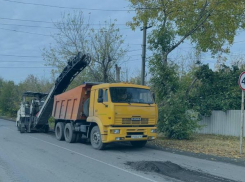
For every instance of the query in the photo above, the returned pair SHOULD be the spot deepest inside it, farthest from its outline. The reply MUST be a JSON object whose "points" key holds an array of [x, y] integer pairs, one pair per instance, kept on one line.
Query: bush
{"points": [[176, 121]]}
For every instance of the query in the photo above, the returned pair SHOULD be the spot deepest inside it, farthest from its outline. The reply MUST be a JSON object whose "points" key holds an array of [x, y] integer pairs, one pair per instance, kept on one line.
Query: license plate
{"points": [[135, 119], [136, 136]]}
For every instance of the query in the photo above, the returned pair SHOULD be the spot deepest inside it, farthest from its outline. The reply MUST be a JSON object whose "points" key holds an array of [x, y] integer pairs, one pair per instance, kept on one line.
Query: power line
{"points": [[135, 44], [36, 21], [238, 41], [35, 33], [135, 50], [11, 55], [24, 32], [27, 26], [134, 55], [129, 61], [40, 21], [25, 56], [26, 67], [20, 61], [63, 7], [33, 26]]}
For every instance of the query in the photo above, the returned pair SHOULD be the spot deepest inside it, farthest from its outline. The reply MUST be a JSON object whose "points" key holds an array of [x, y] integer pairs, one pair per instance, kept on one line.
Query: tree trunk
{"points": [[165, 58], [105, 77]]}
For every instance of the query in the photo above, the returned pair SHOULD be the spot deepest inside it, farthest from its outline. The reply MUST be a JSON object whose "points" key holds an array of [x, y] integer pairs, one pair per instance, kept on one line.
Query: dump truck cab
{"points": [[123, 112]]}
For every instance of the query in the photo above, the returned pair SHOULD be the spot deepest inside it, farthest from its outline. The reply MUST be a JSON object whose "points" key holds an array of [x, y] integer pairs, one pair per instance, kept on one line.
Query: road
{"points": [[40, 157]]}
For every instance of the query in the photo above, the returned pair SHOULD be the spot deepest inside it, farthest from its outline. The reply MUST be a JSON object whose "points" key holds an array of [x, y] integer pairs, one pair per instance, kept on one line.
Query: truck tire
{"points": [[138, 144], [22, 129], [78, 137], [18, 126], [46, 129], [59, 131], [70, 135], [95, 138]]}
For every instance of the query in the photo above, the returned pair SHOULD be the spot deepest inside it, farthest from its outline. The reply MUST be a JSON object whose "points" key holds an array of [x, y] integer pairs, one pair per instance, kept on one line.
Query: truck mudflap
{"points": [[129, 134]]}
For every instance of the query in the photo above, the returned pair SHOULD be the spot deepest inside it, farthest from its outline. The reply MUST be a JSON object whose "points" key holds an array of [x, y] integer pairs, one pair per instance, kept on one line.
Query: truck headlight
{"points": [[115, 131], [153, 130]]}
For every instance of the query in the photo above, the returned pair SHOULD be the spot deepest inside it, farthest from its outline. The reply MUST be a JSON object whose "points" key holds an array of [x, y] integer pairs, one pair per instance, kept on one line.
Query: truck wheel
{"points": [[46, 129], [22, 129], [59, 131], [18, 126], [78, 137], [138, 144], [95, 138], [70, 135]]}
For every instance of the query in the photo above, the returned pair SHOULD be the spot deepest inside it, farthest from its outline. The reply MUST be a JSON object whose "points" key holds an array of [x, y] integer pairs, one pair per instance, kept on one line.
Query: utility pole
{"points": [[242, 122], [241, 82], [143, 53], [117, 73]]}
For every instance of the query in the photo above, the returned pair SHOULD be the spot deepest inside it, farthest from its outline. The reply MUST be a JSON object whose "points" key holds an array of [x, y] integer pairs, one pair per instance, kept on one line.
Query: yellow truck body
{"points": [[111, 116], [121, 111]]}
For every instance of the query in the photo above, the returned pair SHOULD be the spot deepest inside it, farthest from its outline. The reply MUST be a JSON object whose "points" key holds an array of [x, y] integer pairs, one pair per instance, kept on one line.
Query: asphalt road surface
{"points": [[39, 157]]}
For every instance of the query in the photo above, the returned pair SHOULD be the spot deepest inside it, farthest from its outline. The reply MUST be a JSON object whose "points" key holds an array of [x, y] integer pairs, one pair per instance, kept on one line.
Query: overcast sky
{"points": [[22, 41]]}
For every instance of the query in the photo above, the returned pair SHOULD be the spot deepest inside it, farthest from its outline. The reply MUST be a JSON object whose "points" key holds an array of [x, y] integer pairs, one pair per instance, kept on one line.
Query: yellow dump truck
{"points": [[105, 113]]}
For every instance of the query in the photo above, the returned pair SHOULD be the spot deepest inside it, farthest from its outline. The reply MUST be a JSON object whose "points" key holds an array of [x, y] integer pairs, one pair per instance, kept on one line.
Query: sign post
{"points": [[241, 83]]}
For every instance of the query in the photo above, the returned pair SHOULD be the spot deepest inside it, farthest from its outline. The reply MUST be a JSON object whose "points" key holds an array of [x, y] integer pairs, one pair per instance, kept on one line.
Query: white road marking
{"points": [[113, 166]]}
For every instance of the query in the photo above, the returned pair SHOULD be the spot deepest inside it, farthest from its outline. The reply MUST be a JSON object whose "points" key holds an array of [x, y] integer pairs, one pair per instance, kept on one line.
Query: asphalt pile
{"points": [[175, 171]]}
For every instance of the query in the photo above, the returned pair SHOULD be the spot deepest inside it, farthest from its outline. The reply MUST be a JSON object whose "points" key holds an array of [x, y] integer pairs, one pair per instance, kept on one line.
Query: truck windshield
{"points": [[130, 95]]}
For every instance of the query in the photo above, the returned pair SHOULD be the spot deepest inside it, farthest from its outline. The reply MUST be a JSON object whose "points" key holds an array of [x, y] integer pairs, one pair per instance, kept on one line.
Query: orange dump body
{"points": [[69, 105]]}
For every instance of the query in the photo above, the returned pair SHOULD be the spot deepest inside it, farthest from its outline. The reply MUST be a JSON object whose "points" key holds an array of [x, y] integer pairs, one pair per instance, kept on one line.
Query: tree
{"points": [[71, 38], [75, 35], [209, 24], [176, 117], [106, 50], [217, 90], [136, 78], [35, 84], [8, 98]]}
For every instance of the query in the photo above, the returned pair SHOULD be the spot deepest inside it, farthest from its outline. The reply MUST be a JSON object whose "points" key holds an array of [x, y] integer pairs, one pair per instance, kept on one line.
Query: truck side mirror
{"points": [[100, 96]]}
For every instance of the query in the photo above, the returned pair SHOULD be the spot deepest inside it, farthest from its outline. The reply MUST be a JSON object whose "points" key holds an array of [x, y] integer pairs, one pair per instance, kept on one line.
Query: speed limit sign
{"points": [[242, 81]]}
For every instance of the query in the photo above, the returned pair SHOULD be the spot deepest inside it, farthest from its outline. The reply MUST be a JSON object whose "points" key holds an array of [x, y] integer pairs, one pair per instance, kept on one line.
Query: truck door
{"points": [[102, 109]]}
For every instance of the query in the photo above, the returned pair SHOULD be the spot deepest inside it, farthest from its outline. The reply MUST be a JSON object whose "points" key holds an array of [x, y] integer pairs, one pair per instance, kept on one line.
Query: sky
{"points": [[25, 30]]}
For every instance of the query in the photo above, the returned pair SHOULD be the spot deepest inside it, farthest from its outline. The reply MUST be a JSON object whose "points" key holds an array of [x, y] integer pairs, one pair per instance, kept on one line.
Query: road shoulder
{"points": [[234, 161]]}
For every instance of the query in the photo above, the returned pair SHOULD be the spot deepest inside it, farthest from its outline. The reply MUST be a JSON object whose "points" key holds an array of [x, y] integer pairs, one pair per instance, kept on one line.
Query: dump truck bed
{"points": [[69, 105]]}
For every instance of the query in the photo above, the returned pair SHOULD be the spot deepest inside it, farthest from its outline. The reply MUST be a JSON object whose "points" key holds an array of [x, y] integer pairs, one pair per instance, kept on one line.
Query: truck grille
{"points": [[135, 133], [128, 121]]}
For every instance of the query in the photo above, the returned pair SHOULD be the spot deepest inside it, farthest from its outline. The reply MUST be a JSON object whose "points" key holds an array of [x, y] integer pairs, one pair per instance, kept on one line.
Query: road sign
{"points": [[241, 81]]}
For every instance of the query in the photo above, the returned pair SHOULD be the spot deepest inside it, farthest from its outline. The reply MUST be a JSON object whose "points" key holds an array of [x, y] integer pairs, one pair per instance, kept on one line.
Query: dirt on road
{"points": [[175, 171]]}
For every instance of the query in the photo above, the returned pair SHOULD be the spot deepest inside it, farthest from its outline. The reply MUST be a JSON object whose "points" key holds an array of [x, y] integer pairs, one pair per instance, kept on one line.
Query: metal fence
{"points": [[222, 123]]}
